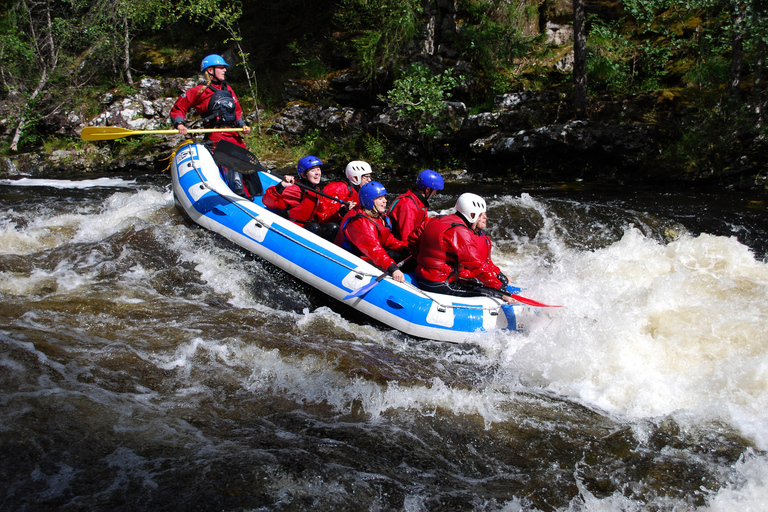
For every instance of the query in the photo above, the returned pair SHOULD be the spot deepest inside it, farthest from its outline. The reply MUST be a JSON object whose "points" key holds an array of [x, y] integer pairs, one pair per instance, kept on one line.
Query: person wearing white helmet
{"points": [[453, 255], [218, 106], [357, 174], [410, 209]]}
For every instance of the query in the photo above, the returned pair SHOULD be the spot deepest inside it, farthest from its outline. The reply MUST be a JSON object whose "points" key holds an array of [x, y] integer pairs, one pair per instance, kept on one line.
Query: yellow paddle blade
{"points": [[114, 132], [106, 133]]}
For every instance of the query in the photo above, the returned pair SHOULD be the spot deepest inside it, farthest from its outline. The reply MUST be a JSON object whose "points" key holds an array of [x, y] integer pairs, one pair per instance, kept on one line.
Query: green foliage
{"points": [[311, 65], [311, 137], [421, 96], [386, 28], [491, 36], [375, 148], [609, 54]]}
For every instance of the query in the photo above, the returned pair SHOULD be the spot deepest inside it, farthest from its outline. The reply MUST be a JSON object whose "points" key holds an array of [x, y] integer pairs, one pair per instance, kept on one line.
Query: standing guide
{"points": [[218, 106]]}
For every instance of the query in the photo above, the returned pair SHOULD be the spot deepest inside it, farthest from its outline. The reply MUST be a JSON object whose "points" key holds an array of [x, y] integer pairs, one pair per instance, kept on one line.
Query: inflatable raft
{"points": [[202, 195]]}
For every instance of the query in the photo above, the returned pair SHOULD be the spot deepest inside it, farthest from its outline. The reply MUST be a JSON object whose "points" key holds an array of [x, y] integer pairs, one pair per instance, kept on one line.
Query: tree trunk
{"points": [[757, 89], [23, 117], [579, 60], [127, 50], [737, 54]]}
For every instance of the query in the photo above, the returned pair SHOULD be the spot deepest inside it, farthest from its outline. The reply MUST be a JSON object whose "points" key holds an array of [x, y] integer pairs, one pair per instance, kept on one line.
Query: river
{"points": [[148, 364]]}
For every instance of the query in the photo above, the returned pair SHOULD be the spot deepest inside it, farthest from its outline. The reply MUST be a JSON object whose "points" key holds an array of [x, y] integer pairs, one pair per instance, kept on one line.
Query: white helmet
{"points": [[356, 170], [471, 206]]}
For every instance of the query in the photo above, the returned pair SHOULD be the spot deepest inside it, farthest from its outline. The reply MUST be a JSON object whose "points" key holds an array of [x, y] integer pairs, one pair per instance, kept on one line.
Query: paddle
{"points": [[365, 289], [238, 158], [230, 155], [500, 294], [114, 132]]}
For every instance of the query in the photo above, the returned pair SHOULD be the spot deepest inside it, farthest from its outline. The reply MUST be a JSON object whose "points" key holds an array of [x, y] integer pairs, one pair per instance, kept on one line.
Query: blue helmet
{"points": [[430, 179], [212, 60], [369, 192], [307, 163]]}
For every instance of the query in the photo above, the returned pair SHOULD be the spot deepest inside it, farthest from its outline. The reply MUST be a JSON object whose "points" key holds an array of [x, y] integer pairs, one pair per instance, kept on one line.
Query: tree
{"points": [[579, 60], [43, 31], [737, 51], [421, 96]]}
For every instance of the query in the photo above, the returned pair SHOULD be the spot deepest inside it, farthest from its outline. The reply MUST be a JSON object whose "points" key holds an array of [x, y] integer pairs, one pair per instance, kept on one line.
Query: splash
{"points": [[652, 329]]}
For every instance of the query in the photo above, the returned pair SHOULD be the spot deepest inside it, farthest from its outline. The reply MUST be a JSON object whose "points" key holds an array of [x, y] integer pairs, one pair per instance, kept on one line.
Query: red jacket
{"points": [[448, 246], [341, 190], [407, 212], [368, 237], [298, 204], [197, 97]]}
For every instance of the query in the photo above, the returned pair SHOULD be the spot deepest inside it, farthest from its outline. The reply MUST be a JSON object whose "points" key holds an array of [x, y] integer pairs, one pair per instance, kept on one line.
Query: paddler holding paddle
{"points": [[218, 106], [453, 254], [303, 202]]}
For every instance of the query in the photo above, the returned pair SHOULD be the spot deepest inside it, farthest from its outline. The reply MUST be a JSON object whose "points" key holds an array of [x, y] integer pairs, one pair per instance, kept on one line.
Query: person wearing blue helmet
{"points": [[302, 202], [365, 231], [217, 104], [410, 209]]}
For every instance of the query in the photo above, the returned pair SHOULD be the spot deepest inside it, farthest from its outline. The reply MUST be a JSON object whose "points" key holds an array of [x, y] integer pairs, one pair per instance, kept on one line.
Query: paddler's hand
{"points": [[182, 129], [287, 180], [351, 205], [510, 299], [398, 276], [246, 129]]}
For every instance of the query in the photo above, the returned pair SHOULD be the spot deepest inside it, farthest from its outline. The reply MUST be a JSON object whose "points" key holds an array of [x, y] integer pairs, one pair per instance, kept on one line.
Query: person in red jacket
{"points": [[410, 209], [218, 106], [299, 201], [454, 255], [365, 231], [358, 173]]}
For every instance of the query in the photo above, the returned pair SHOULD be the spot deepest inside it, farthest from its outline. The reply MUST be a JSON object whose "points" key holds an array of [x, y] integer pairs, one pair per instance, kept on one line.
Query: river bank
{"points": [[650, 139]]}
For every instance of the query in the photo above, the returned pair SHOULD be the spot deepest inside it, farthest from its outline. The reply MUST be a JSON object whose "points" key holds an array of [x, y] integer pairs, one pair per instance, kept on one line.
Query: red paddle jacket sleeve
{"points": [[333, 211], [197, 98], [372, 239], [302, 206], [475, 261]]}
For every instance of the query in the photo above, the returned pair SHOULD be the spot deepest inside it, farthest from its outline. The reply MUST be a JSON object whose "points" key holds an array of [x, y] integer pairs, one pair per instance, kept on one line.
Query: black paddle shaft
{"points": [[240, 159]]}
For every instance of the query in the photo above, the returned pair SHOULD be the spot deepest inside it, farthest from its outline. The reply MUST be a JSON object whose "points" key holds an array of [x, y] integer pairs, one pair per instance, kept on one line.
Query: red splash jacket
{"points": [[408, 212], [298, 204], [341, 190], [198, 98], [448, 247], [369, 238]]}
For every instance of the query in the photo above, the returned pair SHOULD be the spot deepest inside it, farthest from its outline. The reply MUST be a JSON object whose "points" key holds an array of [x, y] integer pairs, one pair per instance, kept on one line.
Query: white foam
{"points": [[650, 330], [52, 229], [63, 184]]}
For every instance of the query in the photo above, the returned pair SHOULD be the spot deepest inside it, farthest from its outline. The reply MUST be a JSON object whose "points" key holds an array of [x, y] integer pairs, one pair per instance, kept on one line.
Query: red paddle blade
{"points": [[532, 302]]}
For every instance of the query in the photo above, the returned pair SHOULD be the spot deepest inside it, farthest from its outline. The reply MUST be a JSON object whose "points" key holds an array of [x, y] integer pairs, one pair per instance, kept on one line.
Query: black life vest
{"points": [[221, 108]]}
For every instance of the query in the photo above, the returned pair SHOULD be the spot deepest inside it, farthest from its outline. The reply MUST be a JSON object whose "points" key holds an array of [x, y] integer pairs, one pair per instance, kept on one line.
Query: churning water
{"points": [[146, 364]]}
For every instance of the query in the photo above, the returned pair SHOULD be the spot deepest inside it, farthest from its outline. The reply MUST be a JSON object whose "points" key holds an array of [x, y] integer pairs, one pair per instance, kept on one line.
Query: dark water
{"points": [[147, 364]]}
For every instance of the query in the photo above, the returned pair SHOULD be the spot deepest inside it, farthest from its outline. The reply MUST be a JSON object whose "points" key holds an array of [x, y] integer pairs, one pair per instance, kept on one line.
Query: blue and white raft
{"points": [[203, 195]]}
